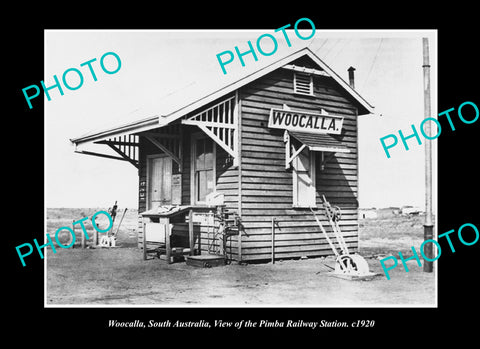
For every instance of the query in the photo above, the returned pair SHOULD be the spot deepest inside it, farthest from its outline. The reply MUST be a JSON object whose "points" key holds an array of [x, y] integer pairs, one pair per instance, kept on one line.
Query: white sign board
{"points": [[305, 122], [155, 232]]}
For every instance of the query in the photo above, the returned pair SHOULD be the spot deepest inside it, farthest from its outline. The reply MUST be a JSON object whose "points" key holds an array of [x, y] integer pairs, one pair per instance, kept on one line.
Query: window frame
{"points": [[193, 153]]}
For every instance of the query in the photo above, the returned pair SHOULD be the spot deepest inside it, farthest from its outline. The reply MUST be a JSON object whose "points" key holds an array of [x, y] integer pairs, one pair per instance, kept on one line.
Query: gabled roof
{"points": [[159, 120]]}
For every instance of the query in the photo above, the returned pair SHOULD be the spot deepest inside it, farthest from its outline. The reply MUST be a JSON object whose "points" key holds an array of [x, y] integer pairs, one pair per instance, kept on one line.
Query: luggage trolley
{"points": [[346, 264]]}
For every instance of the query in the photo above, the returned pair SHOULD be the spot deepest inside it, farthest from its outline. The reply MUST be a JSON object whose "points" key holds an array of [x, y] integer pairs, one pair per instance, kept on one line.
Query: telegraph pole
{"points": [[428, 225]]}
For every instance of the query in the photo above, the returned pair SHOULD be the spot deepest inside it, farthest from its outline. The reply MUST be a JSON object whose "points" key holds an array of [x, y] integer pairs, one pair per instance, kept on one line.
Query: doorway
{"points": [[159, 181]]}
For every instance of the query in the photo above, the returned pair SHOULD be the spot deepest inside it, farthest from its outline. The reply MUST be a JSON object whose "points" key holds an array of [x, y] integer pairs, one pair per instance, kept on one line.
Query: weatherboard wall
{"points": [[267, 187], [260, 188]]}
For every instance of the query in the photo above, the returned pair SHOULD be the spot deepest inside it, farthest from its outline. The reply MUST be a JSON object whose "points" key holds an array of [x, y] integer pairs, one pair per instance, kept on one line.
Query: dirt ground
{"points": [[120, 276]]}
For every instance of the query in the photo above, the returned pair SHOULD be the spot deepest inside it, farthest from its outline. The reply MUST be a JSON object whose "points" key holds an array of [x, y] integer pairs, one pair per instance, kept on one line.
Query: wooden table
{"points": [[166, 219]]}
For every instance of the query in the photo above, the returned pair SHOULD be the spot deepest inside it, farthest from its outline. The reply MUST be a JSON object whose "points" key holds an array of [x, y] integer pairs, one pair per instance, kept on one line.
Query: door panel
{"points": [[160, 181]]}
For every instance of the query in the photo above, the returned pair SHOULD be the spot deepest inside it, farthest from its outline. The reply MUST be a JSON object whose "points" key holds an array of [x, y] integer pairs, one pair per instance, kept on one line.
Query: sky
{"points": [[162, 69]]}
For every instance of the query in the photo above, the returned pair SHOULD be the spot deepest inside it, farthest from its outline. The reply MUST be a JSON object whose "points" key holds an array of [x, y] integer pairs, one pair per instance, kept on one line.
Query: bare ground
{"points": [[120, 276]]}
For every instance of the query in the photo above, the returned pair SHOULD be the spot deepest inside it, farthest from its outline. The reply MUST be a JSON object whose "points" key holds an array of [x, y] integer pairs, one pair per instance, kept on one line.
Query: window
{"points": [[304, 179], [303, 83], [203, 166]]}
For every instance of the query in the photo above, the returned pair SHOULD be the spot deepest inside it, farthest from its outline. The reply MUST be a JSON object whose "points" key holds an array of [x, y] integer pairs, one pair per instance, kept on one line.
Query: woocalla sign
{"points": [[305, 122]]}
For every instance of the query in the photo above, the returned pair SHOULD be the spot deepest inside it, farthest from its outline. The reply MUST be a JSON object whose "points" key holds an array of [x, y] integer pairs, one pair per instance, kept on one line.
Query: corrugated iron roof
{"points": [[320, 142], [163, 117]]}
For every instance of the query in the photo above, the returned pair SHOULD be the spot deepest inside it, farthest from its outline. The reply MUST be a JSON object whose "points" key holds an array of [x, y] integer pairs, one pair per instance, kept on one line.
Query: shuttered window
{"points": [[303, 83]]}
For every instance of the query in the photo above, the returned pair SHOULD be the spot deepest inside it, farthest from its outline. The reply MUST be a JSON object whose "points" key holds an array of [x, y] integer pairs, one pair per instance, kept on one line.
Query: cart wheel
{"points": [[353, 264], [337, 213], [105, 241]]}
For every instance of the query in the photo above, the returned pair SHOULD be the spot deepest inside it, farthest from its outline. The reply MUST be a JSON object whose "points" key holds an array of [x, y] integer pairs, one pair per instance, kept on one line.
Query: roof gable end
{"points": [[301, 55]]}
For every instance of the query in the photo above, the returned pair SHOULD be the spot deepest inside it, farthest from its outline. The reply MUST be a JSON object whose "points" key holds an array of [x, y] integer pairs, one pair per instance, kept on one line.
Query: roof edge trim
{"points": [[136, 126]]}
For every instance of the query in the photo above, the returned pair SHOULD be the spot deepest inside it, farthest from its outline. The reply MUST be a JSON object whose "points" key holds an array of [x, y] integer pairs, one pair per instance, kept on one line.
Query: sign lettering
{"points": [[305, 122]]}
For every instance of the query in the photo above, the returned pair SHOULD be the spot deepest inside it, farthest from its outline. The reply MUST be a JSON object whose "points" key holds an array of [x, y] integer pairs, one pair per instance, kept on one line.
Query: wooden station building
{"points": [[269, 144]]}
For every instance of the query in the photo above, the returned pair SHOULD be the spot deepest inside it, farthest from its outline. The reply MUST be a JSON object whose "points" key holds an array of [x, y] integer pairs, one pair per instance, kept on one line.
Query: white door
{"points": [[159, 181]]}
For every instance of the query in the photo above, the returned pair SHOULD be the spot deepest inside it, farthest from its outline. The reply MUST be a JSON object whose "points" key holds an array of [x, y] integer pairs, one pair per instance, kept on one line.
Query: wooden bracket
{"points": [[220, 123], [126, 146], [123, 155], [288, 156], [123, 158], [165, 150]]}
